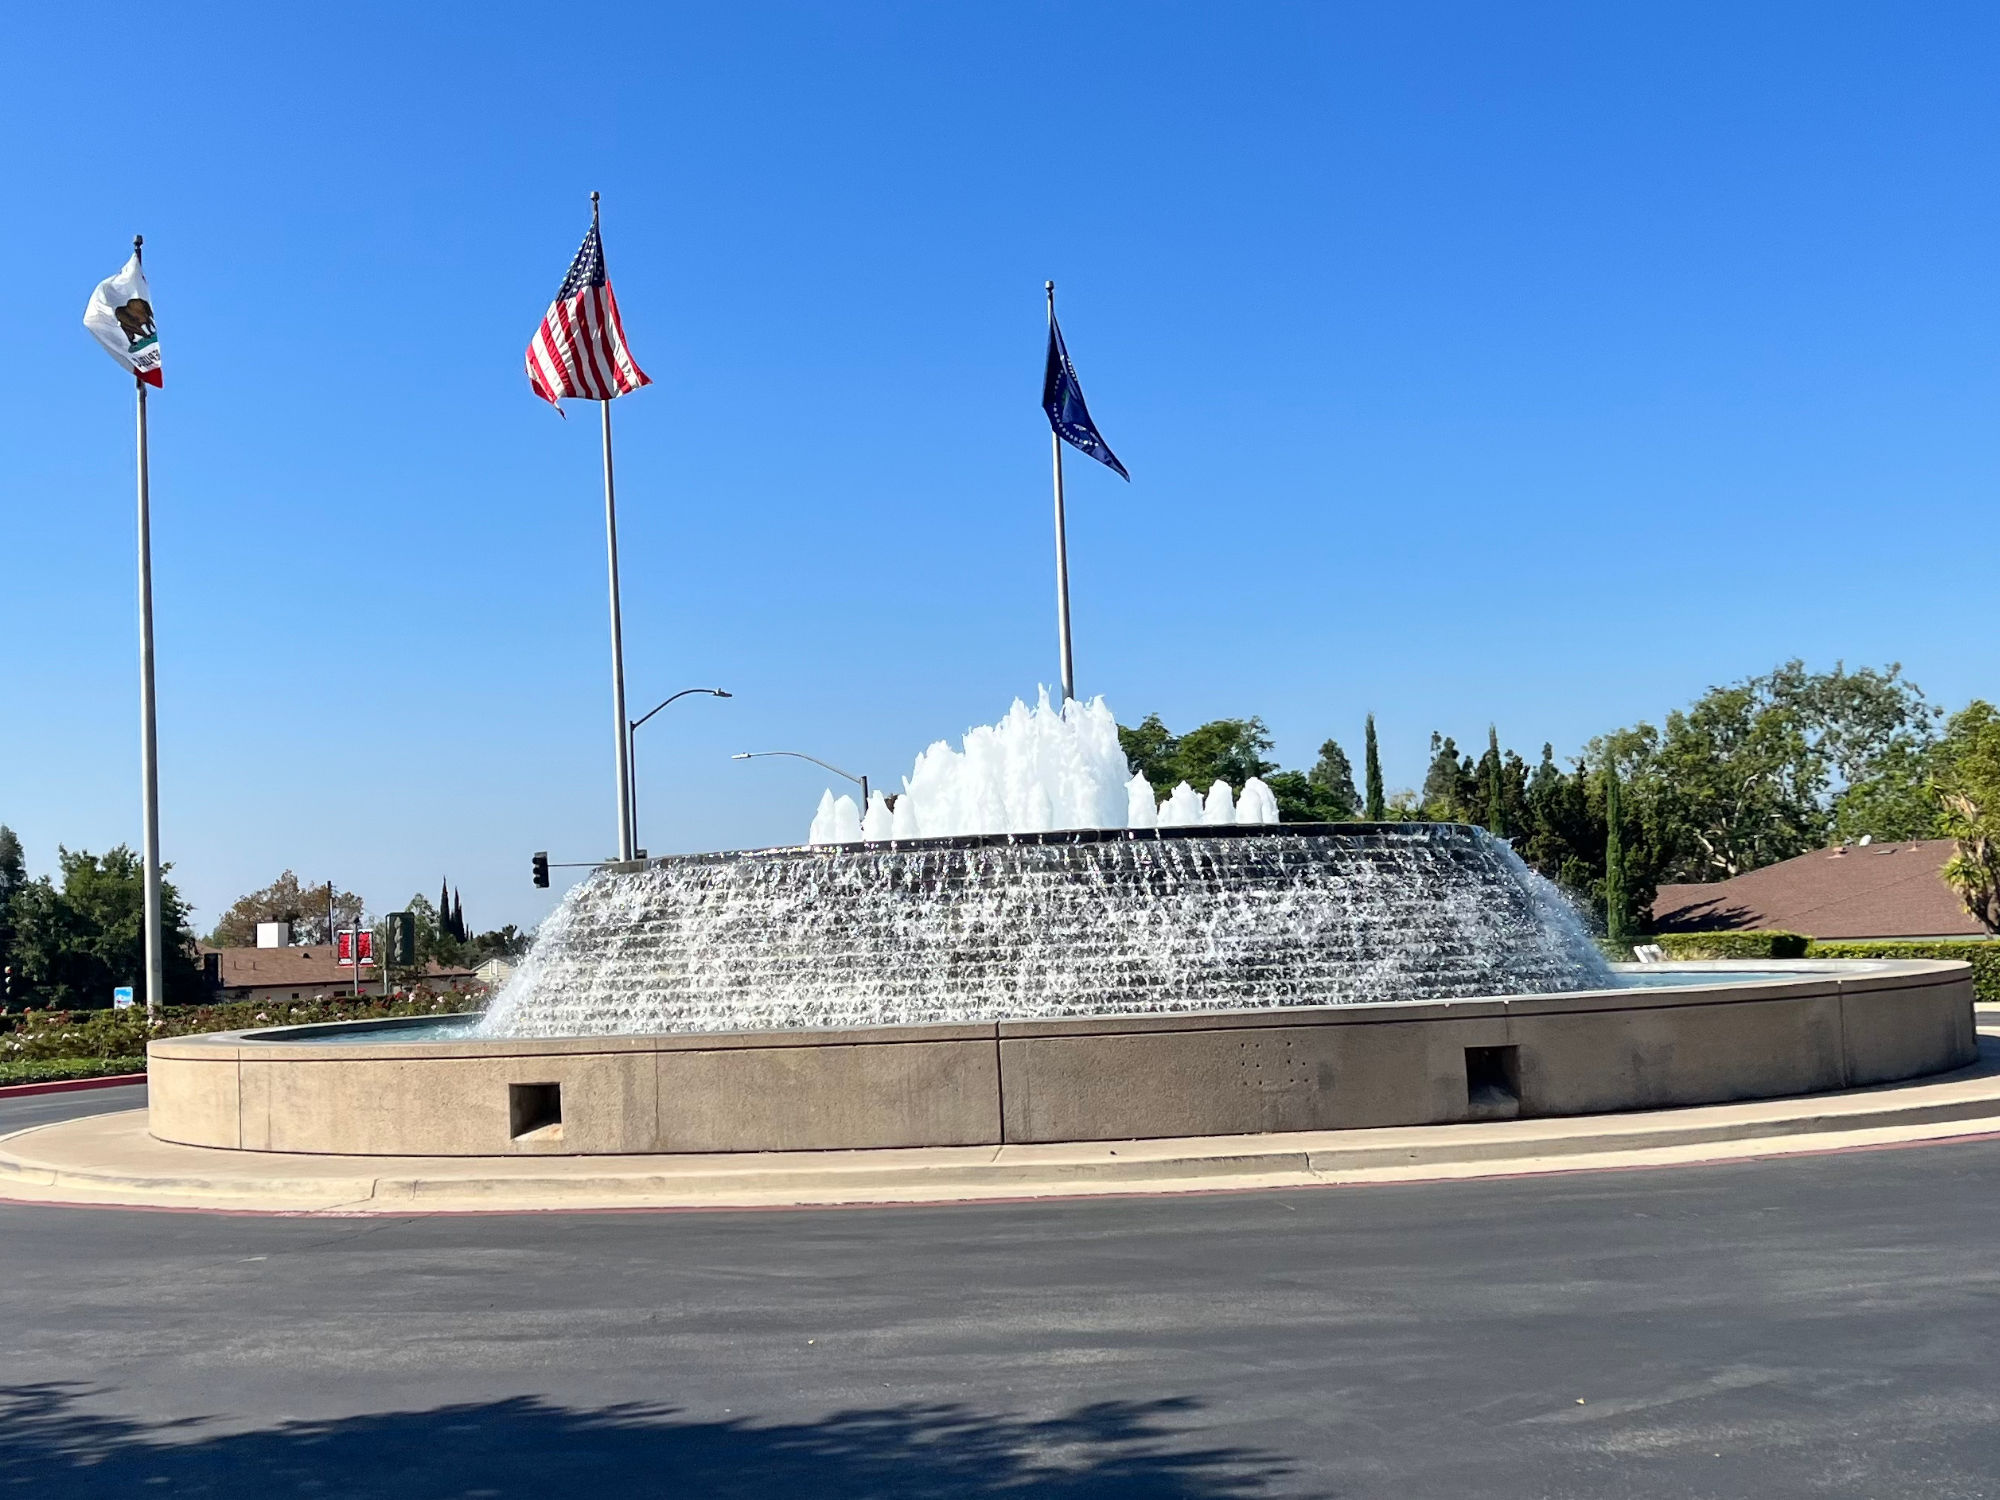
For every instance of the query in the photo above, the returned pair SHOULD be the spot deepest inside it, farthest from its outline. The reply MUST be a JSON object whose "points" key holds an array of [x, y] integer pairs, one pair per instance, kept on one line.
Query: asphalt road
{"points": [[1817, 1326]]}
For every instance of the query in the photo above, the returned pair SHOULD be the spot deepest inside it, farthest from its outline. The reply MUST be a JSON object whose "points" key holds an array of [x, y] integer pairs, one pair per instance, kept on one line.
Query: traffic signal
{"points": [[402, 939], [542, 870]]}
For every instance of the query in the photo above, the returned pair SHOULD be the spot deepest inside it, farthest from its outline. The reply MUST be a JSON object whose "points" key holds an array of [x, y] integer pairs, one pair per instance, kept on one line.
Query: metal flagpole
{"points": [[627, 838], [1062, 538], [149, 746], [625, 844]]}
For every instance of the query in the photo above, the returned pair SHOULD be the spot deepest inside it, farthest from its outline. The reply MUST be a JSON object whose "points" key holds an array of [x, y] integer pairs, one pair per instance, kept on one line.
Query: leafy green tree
{"points": [[1490, 773], [1451, 787], [1299, 801], [502, 942], [1374, 808], [1564, 837], [74, 944], [286, 900], [1748, 774], [1617, 908], [1333, 774], [1149, 750], [1898, 801], [1968, 792], [1229, 750]]}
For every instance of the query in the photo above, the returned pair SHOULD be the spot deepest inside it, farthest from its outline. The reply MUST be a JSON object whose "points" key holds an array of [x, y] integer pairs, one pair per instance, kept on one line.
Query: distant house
{"points": [[497, 970], [1857, 891], [308, 971]]}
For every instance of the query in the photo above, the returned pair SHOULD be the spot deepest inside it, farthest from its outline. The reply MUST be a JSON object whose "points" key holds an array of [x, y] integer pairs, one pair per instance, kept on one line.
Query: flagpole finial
{"points": [[593, 203], [138, 242]]}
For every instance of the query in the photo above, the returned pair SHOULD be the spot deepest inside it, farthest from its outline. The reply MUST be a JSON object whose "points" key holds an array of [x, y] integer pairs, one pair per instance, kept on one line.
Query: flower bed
{"points": [[41, 1036]]}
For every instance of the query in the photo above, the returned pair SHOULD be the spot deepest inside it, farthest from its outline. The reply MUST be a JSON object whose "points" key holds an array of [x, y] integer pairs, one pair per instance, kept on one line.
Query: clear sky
{"points": [[1540, 365]]}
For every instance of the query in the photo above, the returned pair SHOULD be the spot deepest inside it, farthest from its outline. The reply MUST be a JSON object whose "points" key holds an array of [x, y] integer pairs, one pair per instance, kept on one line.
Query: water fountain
{"points": [[1027, 943], [1030, 875]]}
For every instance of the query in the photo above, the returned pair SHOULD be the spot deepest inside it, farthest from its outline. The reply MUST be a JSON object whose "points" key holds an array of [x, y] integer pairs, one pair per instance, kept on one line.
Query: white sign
{"points": [[121, 998]]}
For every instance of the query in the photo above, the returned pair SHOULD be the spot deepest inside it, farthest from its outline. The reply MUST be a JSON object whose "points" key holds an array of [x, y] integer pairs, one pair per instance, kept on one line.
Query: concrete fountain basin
{"points": [[1805, 1027]]}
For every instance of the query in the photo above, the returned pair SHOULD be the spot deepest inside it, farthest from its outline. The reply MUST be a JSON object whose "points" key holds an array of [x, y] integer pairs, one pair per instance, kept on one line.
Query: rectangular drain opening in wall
{"points": [[1493, 1082], [534, 1111]]}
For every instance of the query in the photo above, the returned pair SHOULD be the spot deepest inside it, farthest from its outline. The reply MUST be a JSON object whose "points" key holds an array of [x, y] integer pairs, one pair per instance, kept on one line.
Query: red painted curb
{"points": [[64, 1085]]}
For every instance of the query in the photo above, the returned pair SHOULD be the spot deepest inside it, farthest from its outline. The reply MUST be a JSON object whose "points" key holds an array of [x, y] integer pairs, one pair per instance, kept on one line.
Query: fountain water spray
{"points": [[1028, 873], [1035, 771]]}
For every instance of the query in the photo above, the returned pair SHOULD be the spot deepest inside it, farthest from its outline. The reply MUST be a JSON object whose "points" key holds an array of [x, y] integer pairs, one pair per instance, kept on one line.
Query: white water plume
{"points": [[1038, 770]]}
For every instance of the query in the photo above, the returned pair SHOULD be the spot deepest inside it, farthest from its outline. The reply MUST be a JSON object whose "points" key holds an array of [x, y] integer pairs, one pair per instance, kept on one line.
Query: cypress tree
{"points": [[1375, 807], [1496, 815], [1615, 925], [457, 917], [444, 907]]}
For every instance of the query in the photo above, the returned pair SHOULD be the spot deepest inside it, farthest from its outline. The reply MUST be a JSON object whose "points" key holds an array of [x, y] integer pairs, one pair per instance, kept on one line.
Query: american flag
{"points": [[580, 348]]}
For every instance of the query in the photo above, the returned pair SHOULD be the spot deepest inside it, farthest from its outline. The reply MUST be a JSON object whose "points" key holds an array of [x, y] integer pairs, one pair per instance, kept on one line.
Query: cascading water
{"points": [[962, 903], [990, 928]]}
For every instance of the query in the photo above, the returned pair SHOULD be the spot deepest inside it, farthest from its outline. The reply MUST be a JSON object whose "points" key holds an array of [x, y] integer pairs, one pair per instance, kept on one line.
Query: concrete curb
{"points": [[67, 1085], [109, 1160]]}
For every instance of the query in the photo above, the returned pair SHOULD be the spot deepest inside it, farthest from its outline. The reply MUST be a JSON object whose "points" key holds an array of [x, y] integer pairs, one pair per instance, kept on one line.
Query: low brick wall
{"points": [[1824, 1025]]}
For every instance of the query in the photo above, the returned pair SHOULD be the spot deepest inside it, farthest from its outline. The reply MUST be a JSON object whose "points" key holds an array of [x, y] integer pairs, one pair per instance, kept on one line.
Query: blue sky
{"points": [[1540, 365]]}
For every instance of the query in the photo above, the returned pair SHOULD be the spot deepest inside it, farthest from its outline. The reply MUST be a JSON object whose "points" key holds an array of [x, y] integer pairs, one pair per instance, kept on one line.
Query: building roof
{"points": [[1861, 891], [306, 964]]}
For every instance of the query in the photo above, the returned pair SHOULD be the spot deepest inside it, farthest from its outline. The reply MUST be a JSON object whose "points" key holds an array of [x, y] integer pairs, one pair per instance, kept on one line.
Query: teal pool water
{"points": [[423, 1029], [1641, 979]]}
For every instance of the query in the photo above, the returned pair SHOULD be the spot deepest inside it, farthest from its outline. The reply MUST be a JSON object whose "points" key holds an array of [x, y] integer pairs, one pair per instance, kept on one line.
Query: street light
{"points": [[632, 746], [860, 781]]}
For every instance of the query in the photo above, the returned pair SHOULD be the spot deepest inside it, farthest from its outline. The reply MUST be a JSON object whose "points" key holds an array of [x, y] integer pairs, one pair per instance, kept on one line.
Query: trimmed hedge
{"points": [[57, 1070], [1771, 943], [46, 1035], [1982, 954]]}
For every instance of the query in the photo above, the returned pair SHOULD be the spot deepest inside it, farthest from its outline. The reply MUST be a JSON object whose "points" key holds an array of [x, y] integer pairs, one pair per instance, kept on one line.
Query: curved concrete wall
{"points": [[1825, 1025]]}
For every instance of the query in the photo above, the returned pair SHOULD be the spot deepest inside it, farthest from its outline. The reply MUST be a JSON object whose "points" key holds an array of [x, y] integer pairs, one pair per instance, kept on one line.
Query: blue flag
{"points": [[1062, 398]]}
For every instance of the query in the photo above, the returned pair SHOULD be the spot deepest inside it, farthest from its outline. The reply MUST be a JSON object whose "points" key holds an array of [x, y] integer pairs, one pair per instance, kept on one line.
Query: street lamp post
{"points": [[860, 781], [632, 747]]}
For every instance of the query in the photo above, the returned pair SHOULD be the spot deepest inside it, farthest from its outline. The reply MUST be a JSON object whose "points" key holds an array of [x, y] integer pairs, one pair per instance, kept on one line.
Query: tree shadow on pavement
{"points": [[55, 1440]]}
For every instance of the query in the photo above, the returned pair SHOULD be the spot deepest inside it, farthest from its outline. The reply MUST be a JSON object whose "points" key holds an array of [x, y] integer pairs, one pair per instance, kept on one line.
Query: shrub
{"points": [[1982, 954], [55, 1070], [1754, 944]]}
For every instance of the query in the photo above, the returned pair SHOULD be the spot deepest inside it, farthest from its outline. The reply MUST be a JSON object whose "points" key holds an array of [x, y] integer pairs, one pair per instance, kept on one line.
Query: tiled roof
{"points": [[1862, 891], [311, 965]]}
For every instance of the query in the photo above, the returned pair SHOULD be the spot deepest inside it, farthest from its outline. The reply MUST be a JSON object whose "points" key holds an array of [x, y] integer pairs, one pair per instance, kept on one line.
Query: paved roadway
{"points": [[1819, 1326]]}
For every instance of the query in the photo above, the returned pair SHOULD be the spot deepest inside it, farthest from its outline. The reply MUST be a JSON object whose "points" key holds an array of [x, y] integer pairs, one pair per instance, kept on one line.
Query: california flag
{"points": [[120, 317]]}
